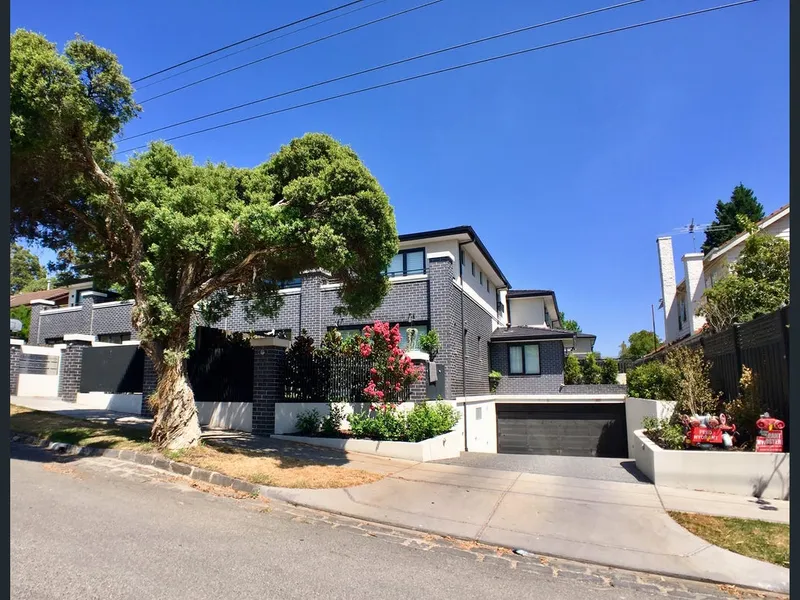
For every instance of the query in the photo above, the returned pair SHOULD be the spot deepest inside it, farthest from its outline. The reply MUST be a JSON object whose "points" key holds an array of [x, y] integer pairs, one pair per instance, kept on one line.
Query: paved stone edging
{"points": [[142, 458]]}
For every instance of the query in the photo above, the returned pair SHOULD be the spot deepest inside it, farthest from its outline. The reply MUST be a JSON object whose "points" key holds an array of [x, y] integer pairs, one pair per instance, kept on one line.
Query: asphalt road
{"points": [[99, 528]]}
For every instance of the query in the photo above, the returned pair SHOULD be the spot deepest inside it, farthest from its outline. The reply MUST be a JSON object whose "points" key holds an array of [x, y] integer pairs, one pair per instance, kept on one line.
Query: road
{"points": [[100, 528]]}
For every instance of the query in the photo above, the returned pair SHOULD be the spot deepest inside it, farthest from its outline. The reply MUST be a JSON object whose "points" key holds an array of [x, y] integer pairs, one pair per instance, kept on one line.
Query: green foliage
{"points": [[429, 342], [653, 380], [424, 421], [572, 370], [568, 324], [494, 380], [429, 419], [308, 422], [664, 432], [332, 423], [610, 370], [744, 203], [591, 372], [23, 313], [758, 284], [747, 408], [331, 343], [640, 343], [693, 391], [25, 271]]}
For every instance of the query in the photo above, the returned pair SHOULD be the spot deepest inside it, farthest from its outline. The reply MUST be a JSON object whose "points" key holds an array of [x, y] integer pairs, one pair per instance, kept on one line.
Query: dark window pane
{"points": [[415, 262]]}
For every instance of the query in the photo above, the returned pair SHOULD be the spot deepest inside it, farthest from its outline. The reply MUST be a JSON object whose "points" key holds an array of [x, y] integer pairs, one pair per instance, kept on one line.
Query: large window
{"points": [[523, 359], [407, 262]]}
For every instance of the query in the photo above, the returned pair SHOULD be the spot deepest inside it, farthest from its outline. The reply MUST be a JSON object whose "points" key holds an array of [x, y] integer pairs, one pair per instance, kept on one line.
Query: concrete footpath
{"points": [[623, 525]]}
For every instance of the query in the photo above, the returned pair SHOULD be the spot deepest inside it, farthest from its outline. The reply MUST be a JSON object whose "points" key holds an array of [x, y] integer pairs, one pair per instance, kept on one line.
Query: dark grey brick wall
{"points": [[14, 368], [600, 388], [551, 364], [444, 320], [149, 381], [269, 364], [476, 352], [115, 318], [33, 330], [69, 380], [288, 317], [60, 324], [311, 305]]}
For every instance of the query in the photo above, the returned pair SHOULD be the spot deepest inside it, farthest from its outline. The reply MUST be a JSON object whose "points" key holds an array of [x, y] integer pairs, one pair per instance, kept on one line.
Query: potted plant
{"points": [[494, 380]]}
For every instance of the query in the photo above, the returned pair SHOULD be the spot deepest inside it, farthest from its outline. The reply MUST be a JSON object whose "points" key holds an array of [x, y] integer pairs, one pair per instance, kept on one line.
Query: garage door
{"points": [[562, 429]]}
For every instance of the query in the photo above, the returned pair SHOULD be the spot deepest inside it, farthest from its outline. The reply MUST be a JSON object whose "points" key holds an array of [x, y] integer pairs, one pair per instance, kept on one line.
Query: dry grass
{"points": [[58, 428], [273, 471], [761, 540], [234, 462]]}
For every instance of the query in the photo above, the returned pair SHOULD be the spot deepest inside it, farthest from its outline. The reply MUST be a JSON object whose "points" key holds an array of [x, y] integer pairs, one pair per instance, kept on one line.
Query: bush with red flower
{"points": [[394, 372]]}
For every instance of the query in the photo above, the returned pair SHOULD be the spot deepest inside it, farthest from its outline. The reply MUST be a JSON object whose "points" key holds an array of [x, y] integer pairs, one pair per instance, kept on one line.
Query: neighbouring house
{"points": [[680, 301], [584, 344], [58, 296], [445, 280]]}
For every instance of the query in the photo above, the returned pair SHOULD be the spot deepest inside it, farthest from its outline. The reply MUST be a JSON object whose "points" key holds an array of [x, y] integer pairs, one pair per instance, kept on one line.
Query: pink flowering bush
{"points": [[394, 372]]}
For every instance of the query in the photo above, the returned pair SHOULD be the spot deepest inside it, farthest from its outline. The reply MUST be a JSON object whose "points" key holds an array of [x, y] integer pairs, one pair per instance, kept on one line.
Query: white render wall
{"points": [[527, 311], [695, 286], [481, 426], [124, 403], [226, 415], [666, 263], [637, 409]]}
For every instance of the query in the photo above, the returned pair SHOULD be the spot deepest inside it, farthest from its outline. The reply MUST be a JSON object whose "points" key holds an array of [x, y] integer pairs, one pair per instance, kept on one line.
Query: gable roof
{"points": [[55, 295], [715, 253]]}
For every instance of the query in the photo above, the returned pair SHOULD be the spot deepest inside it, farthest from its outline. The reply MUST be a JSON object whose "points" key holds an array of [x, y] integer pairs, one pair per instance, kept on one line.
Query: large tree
{"points": [[180, 236], [25, 269], [640, 343], [743, 203]]}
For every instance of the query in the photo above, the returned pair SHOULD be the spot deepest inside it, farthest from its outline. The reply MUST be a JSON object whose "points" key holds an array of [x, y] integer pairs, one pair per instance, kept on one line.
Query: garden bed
{"points": [[443, 446], [742, 473]]}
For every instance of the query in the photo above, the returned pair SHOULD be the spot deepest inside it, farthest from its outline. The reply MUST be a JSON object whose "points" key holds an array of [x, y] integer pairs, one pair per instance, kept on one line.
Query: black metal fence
{"points": [[112, 369], [220, 367], [762, 345], [317, 378]]}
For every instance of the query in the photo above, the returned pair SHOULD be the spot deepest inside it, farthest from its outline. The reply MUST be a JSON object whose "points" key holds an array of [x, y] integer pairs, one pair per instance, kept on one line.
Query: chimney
{"points": [[666, 263], [695, 286]]}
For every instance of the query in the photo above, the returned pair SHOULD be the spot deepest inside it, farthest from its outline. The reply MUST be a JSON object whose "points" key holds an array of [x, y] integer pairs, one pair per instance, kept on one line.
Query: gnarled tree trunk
{"points": [[175, 421]]}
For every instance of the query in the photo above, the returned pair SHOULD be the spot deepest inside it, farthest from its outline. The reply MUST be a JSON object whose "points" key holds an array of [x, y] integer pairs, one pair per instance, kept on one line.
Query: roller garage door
{"points": [[562, 429]]}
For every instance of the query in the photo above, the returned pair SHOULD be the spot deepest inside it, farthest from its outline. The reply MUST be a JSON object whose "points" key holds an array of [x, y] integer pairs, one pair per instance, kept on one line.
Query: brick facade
{"points": [[69, 380], [551, 365], [269, 364], [149, 380], [15, 353]]}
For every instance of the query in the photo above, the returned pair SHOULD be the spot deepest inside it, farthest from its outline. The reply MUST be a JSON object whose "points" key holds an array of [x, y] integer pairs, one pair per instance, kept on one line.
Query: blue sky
{"points": [[568, 162]]}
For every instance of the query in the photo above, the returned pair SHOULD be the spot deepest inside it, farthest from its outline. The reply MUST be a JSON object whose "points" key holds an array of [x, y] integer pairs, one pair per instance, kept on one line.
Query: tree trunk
{"points": [[175, 421]]}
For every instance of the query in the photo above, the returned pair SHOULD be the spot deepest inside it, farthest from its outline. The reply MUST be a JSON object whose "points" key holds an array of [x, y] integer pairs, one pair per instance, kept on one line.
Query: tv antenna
{"points": [[693, 228]]}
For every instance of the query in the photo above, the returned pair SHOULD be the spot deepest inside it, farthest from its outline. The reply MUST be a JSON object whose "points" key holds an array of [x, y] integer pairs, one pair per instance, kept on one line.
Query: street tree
{"points": [[26, 271], [743, 203], [640, 343], [179, 236]]}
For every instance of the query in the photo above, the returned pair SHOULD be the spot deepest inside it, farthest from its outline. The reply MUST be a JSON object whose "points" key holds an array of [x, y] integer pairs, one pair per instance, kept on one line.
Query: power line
{"points": [[292, 49], [277, 37], [251, 38], [386, 66], [453, 68]]}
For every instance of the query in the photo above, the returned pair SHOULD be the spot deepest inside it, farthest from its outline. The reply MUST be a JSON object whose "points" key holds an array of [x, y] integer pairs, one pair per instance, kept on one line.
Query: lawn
{"points": [[234, 462], [761, 540]]}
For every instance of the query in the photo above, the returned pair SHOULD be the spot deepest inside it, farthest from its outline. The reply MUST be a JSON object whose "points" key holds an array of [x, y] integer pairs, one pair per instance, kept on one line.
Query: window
{"points": [[283, 334], [407, 262], [480, 277], [114, 338], [500, 308], [348, 332], [523, 359], [294, 283], [473, 269], [488, 285], [461, 257], [53, 341]]}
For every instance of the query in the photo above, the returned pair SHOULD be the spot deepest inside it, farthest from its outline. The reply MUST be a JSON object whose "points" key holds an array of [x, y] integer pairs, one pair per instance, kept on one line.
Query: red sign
{"points": [[770, 441], [705, 435]]}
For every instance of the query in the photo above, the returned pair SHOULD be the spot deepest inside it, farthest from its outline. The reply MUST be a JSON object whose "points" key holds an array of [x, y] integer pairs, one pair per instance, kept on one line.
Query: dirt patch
{"points": [[274, 471], [63, 469]]}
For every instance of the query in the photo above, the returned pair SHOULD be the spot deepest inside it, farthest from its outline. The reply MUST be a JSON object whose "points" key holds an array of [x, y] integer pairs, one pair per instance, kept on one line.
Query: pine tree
{"points": [[743, 202]]}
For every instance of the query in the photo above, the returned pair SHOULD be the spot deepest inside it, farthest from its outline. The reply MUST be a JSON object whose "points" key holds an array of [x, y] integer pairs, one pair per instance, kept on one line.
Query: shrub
{"points": [[332, 423], [747, 408], [610, 370], [429, 419], [308, 422], [693, 391], [393, 372], [494, 380], [385, 423], [572, 370], [665, 433], [429, 342], [653, 380], [591, 371]]}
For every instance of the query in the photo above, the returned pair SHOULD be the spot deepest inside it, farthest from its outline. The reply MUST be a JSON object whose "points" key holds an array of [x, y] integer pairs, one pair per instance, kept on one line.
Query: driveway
{"points": [[622, 470]]}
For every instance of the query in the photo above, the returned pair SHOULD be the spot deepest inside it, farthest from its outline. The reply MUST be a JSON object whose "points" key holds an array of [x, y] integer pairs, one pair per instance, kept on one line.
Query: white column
{"points": [[695, 286], [666, 263]]}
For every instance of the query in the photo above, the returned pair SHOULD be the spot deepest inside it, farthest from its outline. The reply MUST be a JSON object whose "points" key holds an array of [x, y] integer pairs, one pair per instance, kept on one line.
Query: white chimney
{"points": [[666, 263], [695, 286]]}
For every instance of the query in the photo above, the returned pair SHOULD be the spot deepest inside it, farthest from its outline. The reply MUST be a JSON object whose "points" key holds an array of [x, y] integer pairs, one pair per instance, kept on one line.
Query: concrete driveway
{"points": [[622, 470]]}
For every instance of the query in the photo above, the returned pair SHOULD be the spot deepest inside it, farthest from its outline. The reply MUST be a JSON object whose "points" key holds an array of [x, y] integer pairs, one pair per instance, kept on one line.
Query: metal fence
{"points": [[317, 378], [762, 345], [220, 367], [112, 369]]}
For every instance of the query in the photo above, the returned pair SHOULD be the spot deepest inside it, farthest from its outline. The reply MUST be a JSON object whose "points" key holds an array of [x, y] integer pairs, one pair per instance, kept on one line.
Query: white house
{"points": [[681, 300]]}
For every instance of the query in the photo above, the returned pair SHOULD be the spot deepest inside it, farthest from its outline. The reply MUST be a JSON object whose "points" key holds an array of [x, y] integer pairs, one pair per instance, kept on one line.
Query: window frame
{"points": [[473, 268], [404, 254], [111, 338], [524, 367]]}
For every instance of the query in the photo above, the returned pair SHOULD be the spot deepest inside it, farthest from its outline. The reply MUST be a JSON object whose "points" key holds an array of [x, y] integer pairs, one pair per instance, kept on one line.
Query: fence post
{"points": [[69, 380], [269, 372], [737, 350], [16, 351]]}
